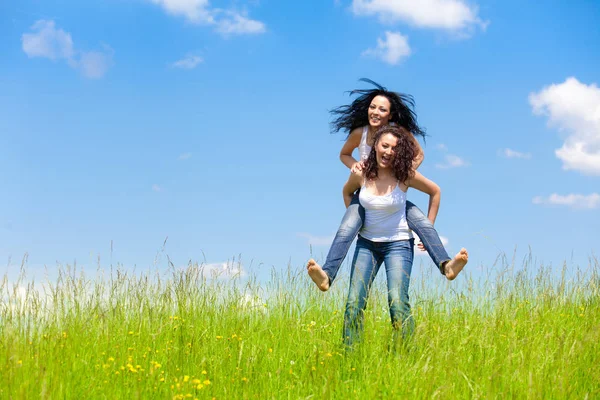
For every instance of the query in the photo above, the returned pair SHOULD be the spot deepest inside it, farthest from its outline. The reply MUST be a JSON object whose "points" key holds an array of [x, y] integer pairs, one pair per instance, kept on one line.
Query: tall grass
{"points": [[182, 334]]}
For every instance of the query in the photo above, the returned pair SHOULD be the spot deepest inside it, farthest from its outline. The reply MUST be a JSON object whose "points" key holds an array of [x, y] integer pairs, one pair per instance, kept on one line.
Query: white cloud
{"points": [[574, 109], [190, 61], [195, 11], [156, 188], [452, 161], [223, 270], [508, 153], [419, 252], [237, 24], [252, 302], [47, 41], [226, 22], [577, 201], [317, 240], [392, 50], [451, 15], [185, 156], [94, 64], [442, 147]]}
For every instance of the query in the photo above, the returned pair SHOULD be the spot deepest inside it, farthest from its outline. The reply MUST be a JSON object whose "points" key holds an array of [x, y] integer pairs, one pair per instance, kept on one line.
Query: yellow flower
{"points": [[207, 382], [219, 337], [199, 386], [244, 379], [130, 332], [186, 378], [270, 350], [203, 372]]}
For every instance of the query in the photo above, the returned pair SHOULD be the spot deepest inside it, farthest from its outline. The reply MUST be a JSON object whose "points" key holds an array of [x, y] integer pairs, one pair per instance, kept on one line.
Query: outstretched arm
{"points": [[354, 183], [352, 143], [427, 186]]}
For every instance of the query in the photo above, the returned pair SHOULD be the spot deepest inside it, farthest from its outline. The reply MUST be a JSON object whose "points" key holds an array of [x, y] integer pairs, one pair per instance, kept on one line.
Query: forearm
{"points": [[434, 206], [347, 160]]}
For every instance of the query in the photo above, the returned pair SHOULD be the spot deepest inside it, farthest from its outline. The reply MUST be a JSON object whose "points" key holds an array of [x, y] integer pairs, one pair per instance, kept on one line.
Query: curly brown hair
{"points": [[405, 152]]}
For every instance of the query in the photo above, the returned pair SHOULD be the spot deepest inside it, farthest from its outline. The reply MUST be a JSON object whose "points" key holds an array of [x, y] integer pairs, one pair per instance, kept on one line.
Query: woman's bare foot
{"points": [[318, 275], [453, 267]]}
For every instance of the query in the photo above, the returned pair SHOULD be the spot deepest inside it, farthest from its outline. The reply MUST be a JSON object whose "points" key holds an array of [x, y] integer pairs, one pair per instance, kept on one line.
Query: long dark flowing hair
{"points": [[355, 115], [404, 154]]}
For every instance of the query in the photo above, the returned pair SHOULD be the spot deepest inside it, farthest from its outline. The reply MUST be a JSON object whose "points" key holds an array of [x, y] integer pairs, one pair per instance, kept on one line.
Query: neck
{"points": [[385, 173]]}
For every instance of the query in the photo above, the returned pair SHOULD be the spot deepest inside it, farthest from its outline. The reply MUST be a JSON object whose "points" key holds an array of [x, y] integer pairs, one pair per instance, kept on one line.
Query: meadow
{"points": [[520, 331]]}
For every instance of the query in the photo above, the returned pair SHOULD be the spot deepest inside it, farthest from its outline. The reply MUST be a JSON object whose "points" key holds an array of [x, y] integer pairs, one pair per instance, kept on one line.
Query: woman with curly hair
{"points": [[371, 110], [385, 236]]}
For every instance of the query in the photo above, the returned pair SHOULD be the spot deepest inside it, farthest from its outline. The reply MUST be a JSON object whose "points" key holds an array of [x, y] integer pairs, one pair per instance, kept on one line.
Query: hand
{"points": [[357, 167], [421, 247]]}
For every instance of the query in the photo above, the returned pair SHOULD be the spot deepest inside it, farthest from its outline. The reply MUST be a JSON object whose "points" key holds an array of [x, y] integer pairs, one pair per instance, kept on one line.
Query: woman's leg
{"points": [[422, 226], [351, 224], [398, 259], [365, 265]]}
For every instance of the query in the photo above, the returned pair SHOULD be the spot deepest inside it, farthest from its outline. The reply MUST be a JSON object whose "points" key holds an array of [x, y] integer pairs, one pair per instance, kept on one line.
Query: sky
{"points": [[133, 130]]}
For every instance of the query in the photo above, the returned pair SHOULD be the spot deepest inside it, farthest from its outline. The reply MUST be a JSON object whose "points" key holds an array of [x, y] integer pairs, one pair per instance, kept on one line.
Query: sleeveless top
{"points": [[385, 216], [363, 148]]}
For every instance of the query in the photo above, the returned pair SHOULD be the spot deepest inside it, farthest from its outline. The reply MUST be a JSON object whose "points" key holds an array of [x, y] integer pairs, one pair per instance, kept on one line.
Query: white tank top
{"points": [[363, 148], [385, 216]]}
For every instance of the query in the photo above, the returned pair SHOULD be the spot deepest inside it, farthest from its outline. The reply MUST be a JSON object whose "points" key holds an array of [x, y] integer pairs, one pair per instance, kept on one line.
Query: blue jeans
{"points": [[352, 222], [368, 257]]}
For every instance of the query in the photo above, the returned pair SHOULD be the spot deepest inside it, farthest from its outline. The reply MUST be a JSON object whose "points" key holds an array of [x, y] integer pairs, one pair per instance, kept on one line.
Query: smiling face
{"points": [[379, 111], [385, 150]]}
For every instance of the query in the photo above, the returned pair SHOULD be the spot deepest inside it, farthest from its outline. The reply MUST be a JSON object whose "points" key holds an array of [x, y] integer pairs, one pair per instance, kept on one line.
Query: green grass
{"points": [[514, 335]]}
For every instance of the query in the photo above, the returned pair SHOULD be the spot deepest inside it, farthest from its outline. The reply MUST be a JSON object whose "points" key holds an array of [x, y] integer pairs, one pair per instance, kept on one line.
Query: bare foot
{"points": [[317, 274], [453, 267]]}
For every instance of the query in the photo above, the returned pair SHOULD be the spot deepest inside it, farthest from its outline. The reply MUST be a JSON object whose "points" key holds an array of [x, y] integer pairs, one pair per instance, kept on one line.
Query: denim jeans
{"points": [[368, 257], [352, 222]]}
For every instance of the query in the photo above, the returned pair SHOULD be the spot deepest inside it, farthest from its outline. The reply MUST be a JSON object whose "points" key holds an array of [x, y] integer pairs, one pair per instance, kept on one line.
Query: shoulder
{"points": [[354, 137], [356, 177], [356, 133]]}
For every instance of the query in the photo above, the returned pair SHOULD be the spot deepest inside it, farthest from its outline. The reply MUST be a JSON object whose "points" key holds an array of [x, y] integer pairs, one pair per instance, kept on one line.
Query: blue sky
{"points": [[207, 122]]}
